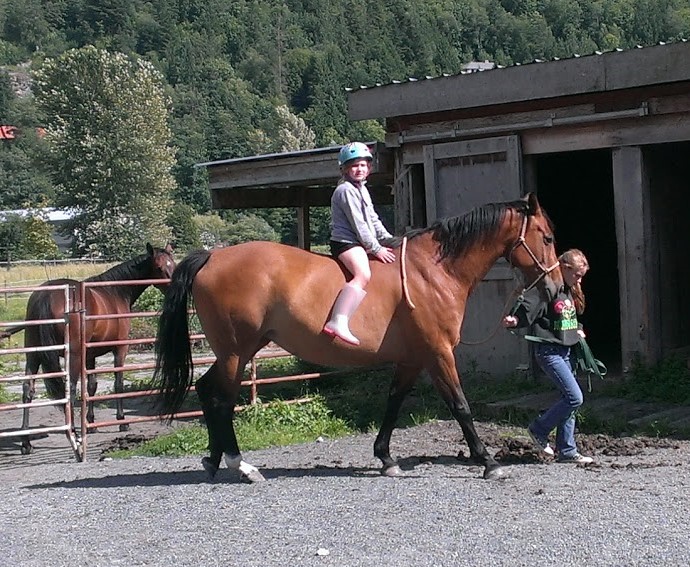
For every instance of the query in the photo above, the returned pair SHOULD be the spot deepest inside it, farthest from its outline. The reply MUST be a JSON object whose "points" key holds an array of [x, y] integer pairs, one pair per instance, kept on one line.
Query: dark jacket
{"points": [[553, 321]]}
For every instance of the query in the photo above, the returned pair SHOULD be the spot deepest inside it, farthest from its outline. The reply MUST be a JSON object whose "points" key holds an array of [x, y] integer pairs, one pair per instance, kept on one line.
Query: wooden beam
{"points": [[640, 325], [263, 198], [616, 133]]}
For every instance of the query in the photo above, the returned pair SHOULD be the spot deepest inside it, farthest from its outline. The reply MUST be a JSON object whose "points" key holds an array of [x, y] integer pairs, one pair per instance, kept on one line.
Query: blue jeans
{"points": [[554, 360]]}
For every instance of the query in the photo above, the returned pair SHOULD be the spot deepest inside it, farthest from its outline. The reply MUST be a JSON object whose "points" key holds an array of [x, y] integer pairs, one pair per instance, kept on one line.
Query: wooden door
{"points": [[458, 177]]}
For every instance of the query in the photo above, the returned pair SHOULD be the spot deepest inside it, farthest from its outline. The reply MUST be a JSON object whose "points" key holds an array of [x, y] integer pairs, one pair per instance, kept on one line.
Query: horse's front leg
{"points": [[445, 376], [120, 354], [218, 389], [403, 381]]}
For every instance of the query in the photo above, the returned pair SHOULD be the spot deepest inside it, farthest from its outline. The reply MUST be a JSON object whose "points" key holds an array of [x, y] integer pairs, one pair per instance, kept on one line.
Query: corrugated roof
{"points": [[485, 69]]}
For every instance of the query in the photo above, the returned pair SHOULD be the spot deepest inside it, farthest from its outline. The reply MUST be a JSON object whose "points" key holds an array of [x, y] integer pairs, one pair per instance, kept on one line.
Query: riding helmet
{"points": [[354, 150]]}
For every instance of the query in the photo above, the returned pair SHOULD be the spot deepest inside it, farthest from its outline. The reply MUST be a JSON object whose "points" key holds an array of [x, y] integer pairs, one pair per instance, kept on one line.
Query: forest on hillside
{"points": [[236, 70]]}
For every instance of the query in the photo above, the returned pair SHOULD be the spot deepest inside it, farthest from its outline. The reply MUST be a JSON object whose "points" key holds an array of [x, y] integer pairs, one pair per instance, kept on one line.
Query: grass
{"points": [[263, 425], [20, 275], [667, 381], [13, 305]]}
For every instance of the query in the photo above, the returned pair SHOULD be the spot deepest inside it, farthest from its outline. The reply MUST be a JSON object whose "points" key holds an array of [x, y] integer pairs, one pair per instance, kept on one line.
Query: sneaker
{"points": [[576, 458], [543, 444]]}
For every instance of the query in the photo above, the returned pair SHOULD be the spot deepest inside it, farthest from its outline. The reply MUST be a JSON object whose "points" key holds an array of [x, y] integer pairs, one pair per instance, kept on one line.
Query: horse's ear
{"points": [[533, 203], [149, 249]]}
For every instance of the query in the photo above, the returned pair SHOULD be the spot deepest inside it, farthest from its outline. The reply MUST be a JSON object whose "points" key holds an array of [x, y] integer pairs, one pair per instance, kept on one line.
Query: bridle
{"points": [[522, 242], [516, 294]]}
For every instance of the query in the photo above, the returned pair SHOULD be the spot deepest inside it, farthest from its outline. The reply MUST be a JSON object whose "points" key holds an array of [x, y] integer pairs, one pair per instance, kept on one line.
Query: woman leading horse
{"points": [[253, 293]]}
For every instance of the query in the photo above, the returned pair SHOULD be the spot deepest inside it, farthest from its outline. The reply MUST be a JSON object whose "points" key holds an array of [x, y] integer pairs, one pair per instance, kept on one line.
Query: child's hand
{"points": [[385, 255], [581, 333], [510, 321]]}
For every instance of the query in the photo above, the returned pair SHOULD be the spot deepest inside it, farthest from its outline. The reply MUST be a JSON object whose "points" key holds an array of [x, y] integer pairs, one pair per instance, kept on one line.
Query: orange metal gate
{"points": [[64, 350]]}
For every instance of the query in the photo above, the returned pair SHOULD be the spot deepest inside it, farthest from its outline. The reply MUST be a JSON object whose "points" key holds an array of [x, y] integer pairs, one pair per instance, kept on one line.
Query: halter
{"points": [[515, 295], [522, 242]]}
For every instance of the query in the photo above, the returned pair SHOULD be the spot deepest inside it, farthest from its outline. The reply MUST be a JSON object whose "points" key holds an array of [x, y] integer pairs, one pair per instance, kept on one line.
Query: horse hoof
{"points": [[124, 427], [392, 472], [252, 477], [27, 449], [495, 473], [210, 468], [92, 429]]}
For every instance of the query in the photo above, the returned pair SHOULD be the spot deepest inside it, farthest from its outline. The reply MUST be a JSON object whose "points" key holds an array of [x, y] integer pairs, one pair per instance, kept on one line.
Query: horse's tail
{"points": [[174, 371], [39, 308]]}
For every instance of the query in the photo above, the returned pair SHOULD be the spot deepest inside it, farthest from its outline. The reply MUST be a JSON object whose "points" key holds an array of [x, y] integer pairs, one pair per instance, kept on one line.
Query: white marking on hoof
{"points": [[393, 471], [247, 471], [497, 473]]}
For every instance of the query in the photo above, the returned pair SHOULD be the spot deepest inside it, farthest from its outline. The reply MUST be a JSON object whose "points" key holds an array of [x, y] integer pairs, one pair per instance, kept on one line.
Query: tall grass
{"points": [[13, 305], [36, 273]]}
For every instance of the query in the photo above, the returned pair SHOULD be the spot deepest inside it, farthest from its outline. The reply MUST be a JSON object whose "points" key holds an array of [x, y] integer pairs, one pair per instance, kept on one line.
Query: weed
{"points": [[666, 381]]}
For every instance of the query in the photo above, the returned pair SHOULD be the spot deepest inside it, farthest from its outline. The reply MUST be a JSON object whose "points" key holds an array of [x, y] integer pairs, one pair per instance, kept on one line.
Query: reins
{"points": [[403, 273]]}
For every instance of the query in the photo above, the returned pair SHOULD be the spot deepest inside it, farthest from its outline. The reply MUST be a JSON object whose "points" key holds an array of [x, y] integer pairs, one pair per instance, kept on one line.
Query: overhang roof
{"points": [[290, 179]]}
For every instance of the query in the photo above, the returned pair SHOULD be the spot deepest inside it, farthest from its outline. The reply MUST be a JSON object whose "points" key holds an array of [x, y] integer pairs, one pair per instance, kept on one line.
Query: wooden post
{"points": [[639, 307], [303, 237]]}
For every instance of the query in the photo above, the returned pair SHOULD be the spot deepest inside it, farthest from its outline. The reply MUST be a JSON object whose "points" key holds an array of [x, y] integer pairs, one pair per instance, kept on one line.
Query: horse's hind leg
{"points": [[447, 381], [403, 381], [91, 387], [206, 390], [28, 393], [120, 355], [218, 396]]}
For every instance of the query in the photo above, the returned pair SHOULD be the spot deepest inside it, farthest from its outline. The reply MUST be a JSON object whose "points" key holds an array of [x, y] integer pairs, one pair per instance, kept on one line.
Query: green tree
{"points": [[6, 96], [242, 227], [106, 123], [26, 238], [185, 231]]}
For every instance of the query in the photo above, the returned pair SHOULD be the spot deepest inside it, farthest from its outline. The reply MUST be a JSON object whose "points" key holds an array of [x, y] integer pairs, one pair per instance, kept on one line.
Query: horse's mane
{"points": [[454, 234], [128, 270]]}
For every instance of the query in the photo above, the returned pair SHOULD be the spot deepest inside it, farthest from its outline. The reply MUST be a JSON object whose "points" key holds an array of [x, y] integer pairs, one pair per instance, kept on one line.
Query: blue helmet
{"points": [[354, 150]]}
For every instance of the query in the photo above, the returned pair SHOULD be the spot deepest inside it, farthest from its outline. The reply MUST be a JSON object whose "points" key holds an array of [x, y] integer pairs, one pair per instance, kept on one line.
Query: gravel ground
{"points": [[325, 504]]}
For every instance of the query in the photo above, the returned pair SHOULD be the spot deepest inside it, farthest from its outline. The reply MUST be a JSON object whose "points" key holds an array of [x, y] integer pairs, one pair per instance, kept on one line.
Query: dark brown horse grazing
{"points": [[157, 263], [253, 293]]}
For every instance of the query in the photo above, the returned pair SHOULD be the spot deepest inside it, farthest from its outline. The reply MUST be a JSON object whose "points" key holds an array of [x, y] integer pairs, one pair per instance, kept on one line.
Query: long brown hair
{"points": [[576, 260]]}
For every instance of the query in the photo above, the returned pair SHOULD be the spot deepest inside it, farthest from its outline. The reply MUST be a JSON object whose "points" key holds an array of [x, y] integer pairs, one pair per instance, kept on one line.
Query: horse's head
{"points": [[534, 250], [162, 263]]}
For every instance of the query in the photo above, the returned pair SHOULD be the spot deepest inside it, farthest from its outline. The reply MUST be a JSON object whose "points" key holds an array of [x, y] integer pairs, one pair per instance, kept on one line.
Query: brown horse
{"points": [[157, 263], [253, 293]]}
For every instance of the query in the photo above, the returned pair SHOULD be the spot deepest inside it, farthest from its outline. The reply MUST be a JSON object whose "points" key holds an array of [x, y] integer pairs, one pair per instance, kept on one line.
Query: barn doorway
{"points": [[576, 189]]}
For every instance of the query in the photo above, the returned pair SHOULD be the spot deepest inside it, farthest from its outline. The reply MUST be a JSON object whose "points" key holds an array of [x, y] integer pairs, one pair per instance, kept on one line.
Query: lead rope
{"points": [[514, 295]]}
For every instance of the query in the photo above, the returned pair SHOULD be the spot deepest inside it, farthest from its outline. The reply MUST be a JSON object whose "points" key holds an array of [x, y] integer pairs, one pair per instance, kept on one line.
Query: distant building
{"points": [[474, 66], [57, 218]]}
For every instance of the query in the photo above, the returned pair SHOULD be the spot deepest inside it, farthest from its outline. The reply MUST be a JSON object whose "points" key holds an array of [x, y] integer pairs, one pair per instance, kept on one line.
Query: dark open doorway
{"points": [[576, 189]]}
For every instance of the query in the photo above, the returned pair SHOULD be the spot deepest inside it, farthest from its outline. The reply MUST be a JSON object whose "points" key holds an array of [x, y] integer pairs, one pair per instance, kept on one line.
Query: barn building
{"points": [[602, 139]]}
